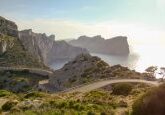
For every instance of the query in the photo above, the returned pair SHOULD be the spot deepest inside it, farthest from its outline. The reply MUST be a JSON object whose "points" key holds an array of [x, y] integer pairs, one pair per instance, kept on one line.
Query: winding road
{"points": [[95, 85], [81, 88]]}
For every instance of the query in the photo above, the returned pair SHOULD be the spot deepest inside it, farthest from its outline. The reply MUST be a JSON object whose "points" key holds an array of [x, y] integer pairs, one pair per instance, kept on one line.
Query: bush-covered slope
{"points": [[85, 69], [151, 103]]}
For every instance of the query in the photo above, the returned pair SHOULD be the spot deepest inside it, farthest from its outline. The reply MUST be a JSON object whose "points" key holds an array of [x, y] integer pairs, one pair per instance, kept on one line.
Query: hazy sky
{"points": [[140, 20]]}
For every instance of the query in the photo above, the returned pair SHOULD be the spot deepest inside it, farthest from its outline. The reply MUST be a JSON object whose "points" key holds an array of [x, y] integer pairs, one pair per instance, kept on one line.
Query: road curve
{"points": [[96, 85], [31, 70]]}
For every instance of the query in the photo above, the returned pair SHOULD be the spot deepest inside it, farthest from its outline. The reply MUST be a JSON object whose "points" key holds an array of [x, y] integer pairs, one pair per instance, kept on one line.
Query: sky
{"points": [[141, 21]]}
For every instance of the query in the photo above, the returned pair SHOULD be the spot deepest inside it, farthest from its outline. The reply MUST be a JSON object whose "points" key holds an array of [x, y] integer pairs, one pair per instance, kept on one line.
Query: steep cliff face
{"points": [[116, 46], [37, 44], [6, 43], [46, 49], [12, 52], [8, 27]]}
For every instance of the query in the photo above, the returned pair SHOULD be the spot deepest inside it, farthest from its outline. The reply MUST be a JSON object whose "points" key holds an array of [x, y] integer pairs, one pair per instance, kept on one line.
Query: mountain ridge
{"points": [[46, 49], [116, 46]]}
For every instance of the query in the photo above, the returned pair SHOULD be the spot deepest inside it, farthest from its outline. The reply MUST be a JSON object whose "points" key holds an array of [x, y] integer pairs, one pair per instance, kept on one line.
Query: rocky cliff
{"points": [[46, 49], [12, 52], [6, 43], [116, 46], [8, 27]]}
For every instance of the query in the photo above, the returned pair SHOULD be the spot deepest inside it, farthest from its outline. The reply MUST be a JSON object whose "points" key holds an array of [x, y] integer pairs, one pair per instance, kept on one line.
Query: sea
{"points": [[141, 57]]}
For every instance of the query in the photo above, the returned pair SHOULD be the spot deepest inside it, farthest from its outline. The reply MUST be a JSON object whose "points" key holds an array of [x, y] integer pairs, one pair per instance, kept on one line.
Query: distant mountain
{"points": [[46, 49], [116, 46], [12, 52]]}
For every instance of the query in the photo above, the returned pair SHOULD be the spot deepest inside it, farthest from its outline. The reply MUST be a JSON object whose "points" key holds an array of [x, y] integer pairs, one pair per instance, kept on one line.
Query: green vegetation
{"points": [[18, 81], [8, 105], [151, 103], [122, 89], [34, 95], [98, 102], [17, 56], [4, 93]]}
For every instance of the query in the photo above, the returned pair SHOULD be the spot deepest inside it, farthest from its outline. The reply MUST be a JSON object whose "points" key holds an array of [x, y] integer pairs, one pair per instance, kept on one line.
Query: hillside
{"points": [[8, 27], [99, 102], [85, 69], [115, 46], [12, 51]]}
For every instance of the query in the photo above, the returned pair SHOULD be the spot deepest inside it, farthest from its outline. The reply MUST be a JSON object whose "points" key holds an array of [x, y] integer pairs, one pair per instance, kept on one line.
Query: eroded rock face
{"points": [[46, 49], [37, 44], [8, 27], [116, 46], [3, 47]]}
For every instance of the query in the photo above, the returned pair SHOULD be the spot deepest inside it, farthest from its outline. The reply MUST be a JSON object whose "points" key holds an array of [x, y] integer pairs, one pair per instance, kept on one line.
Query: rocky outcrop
{"points": [[12, 52], [37, 44], [3, 45], [8, 27], [116, 46], [74, 72], [46, 49], [85, 69]]}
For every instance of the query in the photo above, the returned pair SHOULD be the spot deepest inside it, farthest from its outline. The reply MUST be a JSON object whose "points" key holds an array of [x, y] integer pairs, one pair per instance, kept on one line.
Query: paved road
{"points": [[96, 85], [31, 70]]}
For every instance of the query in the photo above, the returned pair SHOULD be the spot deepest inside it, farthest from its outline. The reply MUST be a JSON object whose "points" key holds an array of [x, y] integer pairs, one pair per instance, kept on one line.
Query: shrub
{"points": [[8, 105], [4, 93], [122, 89], [90, 113], [152, 103], [34, 95]]}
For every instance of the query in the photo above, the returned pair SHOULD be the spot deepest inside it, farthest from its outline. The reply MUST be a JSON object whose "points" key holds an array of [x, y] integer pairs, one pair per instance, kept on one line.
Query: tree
{"points": [[162, 72], [151, 70]]}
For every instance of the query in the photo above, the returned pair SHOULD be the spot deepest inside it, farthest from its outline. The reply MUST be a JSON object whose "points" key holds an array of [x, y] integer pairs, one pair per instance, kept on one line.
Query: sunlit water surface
{"points": [[140, 58]]}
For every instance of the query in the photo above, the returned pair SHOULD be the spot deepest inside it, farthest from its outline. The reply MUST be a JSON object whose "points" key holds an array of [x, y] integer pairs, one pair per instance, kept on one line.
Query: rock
{"points": [[6, 42], [116, 46], [27, 104], [46, 49], [3, 46], [80, 70], [85, 69], [8, 27]]}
